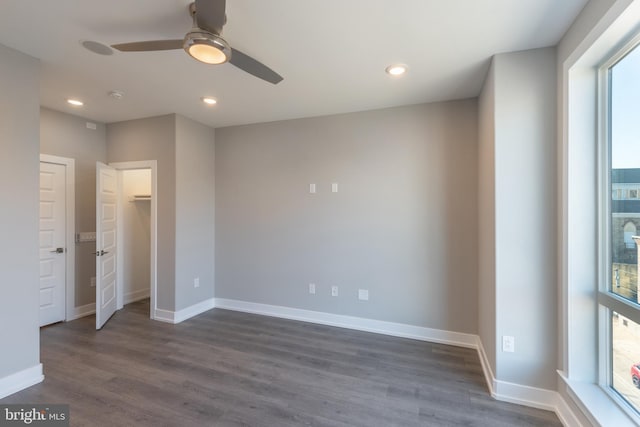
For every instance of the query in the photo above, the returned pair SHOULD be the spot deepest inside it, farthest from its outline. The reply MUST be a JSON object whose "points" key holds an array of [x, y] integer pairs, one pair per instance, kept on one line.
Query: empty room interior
{"points": [[336, 213]]}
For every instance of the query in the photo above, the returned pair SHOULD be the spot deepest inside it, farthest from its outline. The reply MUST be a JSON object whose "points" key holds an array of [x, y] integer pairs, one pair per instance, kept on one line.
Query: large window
{"points": [[620, 215]]}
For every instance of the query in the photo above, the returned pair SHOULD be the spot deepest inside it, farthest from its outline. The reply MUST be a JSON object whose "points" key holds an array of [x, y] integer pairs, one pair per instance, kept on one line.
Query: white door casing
{"points": [[106, 243], [52, 243]]}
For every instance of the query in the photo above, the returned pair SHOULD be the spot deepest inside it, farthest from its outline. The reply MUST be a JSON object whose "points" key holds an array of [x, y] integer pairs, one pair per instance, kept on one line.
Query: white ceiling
{"points": [[331, 53]]}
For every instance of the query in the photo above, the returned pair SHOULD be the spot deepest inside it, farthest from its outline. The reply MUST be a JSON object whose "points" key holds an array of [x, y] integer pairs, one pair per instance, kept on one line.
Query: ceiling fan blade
{"points": [[149, 45], [251, 66], [210, 15]]}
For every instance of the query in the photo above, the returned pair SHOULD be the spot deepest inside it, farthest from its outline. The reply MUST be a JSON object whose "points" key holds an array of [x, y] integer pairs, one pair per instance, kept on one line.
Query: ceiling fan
{"points": [[205, 43]]}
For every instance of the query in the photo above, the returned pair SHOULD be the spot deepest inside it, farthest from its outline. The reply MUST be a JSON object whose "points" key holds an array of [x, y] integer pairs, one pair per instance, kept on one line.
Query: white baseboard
{"points": [[486, 367], [21, 380], [166, 316], [566, 414], [350, 322], [524, 395], [134, 296], [194, 310], [184, 314], [82, 311]]}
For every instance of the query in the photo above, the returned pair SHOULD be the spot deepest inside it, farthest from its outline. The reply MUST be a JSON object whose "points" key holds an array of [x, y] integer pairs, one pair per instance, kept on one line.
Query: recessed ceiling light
{"points": [[209, 100], [116, 94], [396, 69], [75, 102]]}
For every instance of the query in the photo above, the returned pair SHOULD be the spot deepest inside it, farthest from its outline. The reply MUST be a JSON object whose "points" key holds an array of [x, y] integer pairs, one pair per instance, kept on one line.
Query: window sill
{"points": [[597, 404]]}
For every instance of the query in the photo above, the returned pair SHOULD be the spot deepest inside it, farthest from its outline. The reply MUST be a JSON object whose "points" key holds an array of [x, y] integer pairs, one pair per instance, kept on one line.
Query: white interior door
{"points": [[106, 244], [52, 243]]}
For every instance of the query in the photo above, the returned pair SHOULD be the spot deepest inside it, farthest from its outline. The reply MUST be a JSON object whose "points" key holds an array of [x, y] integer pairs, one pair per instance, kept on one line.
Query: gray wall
{"points": [[65, 135], [19, 176], [403, 224], [153, 139], [487, 218], [525, 215], [194, 212]]}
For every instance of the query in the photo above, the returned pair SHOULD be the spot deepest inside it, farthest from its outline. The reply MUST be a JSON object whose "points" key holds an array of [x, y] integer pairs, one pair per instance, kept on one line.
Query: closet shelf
{"points": [[140, 197]]}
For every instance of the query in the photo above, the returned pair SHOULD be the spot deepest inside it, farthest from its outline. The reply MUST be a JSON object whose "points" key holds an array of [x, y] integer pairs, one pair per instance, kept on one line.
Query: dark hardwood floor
{"points": [[224, 368]]}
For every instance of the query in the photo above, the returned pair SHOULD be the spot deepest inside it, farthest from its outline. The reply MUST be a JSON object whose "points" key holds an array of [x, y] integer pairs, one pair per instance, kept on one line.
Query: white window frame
{"points": [[581, 53], [608, 302]]}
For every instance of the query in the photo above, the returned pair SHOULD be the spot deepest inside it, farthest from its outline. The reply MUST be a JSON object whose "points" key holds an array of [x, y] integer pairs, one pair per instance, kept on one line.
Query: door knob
{"points": [[100, 253], [58, 251]]}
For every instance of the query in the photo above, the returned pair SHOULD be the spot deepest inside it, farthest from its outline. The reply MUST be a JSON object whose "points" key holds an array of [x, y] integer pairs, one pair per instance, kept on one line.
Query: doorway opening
{"points": [[137, 233], [135, 240]]}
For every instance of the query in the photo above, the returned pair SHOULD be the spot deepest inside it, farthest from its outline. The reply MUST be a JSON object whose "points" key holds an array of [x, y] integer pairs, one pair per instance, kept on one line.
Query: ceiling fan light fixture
{"points": [[207, 47]]}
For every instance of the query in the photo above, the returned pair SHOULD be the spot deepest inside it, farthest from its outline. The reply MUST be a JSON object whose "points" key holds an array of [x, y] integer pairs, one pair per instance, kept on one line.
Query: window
{"points": [[620, 312], [588, 305]]}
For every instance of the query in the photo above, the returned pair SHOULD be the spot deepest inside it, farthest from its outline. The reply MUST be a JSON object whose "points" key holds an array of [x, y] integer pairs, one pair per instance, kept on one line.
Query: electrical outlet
{"points": [[508, 344], [92, 282], [312, 288], [196, 282], [334, 291], [363, 294]]}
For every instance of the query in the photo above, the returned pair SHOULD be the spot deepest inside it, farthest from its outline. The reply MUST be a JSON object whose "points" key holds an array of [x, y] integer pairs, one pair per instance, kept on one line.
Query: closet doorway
{"points": [[136, 232]]}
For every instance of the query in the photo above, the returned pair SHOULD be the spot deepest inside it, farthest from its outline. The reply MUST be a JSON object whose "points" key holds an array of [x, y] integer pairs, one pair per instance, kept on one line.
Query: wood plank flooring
{"points": [[224, 368]]}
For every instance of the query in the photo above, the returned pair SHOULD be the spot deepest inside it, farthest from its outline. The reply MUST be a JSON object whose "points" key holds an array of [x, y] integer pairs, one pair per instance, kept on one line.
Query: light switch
{"points": [[334, 187], [86, 236], [312, 188]]}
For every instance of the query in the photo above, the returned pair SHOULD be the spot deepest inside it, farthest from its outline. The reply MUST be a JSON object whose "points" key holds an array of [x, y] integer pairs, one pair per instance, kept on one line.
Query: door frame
{"points": [[153, 291], [70, 227]]}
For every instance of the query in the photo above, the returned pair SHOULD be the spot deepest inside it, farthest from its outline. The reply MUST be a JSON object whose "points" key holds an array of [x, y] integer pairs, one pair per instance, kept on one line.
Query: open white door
{"points": [[106, 250]]}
